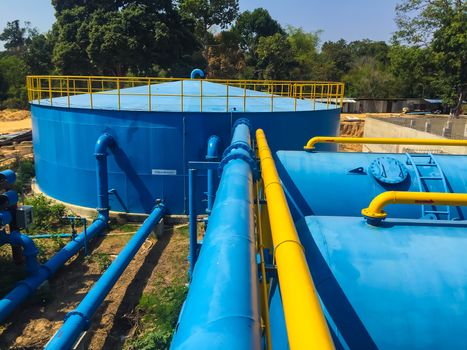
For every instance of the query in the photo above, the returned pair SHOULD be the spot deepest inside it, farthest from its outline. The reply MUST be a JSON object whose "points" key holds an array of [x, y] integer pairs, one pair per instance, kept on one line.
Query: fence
{"points": [[61, 91]]}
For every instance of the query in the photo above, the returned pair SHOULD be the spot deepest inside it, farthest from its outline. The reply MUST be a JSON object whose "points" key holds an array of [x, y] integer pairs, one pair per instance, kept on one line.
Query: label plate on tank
{"points": [[164, 172]]}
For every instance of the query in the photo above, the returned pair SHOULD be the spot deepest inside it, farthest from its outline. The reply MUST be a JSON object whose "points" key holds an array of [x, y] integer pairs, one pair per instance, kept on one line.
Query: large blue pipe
{"points": [[222, 308], [28, 286], [78, 320]]}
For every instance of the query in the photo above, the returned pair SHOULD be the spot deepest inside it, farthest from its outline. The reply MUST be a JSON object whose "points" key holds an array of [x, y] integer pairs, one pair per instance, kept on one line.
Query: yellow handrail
{"points": [[382, 141], [52, 85], [376, 208], [305, 322]]}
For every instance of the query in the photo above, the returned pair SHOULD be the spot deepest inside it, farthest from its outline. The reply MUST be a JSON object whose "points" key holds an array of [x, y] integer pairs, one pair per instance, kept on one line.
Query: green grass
{"points": [[101, 259], [159, 314]]}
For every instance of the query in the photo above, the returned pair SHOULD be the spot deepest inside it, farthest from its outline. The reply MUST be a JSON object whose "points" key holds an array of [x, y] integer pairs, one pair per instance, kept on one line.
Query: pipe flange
{"points": [[251, 162], [239, 145], [241, 121], [86, 320]]}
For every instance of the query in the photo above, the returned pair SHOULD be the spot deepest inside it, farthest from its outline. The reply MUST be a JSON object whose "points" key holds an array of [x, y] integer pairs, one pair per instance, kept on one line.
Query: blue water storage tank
{"points": [[400, 285], [323, 183], [154, 148]]}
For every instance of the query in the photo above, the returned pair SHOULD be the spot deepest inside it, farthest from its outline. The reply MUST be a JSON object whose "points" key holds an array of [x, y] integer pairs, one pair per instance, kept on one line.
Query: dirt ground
{"points": [[36, 322], [14, 120]]}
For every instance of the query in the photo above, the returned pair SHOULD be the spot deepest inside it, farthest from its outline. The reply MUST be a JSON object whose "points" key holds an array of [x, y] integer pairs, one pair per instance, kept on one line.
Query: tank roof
{"points": [[166, 97]]}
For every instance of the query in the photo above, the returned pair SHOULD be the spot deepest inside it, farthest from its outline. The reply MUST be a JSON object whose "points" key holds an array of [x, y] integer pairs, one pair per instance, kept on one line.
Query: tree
{"points": [[225, 59], [368, 79], [117, 37], [207, 14], [275, 60], [13, 71], [304, 49], [415, 71], [440, 25], [336, 60], [38, 54], [15, 36], [251, 26]]}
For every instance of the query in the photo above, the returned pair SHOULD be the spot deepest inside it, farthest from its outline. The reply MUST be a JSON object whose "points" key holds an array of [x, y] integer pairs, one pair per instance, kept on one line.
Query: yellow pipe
{"points": [[376, 208], [305, 322], [382, 141]]}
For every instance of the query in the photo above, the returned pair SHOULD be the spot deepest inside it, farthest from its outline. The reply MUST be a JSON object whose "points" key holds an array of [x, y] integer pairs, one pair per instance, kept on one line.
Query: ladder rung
{"points": [[431, 178], [427, 164]]}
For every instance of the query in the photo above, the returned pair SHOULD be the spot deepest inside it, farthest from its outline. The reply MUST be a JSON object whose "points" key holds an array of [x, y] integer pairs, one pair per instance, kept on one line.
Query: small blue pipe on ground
{"points": [[51, 235], [78, 320], [222, 307], [28, 286]]}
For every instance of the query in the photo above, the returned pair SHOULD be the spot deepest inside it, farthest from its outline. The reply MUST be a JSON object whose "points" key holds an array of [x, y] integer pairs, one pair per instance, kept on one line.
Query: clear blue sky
{"points": [[348, 19]]}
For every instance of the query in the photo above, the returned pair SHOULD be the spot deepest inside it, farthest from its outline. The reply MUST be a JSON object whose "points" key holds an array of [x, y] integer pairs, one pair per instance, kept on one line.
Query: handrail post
{"points": [[201, 95], [90, 91], [50, 90], [118, 92], [272, 97], [227, 97], [244, 97], [149, 94], [181, 95], [68, 90]]}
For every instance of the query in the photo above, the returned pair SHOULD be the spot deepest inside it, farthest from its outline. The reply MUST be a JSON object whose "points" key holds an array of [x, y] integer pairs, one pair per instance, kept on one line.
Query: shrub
{"points": [[47, 214]]}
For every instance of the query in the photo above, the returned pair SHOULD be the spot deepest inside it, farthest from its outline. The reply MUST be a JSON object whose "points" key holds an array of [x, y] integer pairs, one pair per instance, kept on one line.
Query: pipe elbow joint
{"points": [[104, 142], [213, 147], [30, 250], [197, 74]]}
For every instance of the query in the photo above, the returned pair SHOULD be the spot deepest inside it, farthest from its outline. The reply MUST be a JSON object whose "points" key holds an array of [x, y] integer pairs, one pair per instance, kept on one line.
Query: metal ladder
{"points": [[430, 178]]}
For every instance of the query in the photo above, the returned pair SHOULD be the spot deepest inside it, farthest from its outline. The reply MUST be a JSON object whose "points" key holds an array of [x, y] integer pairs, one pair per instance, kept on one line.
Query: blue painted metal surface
{"points": [[324, 183], [222, 307], [401, 285], [78, 320], [157, 148]]}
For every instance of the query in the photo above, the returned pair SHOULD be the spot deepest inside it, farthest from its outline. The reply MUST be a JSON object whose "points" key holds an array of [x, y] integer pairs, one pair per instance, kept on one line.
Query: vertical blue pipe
{"points": [[193, 224], [212, 154], [104, 142], [222, 307], [78, 320]]}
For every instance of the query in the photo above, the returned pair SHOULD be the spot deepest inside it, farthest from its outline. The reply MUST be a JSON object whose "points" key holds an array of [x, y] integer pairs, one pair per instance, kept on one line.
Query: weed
{"points": [[159, 310], [101, 259], [47, 214]]}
